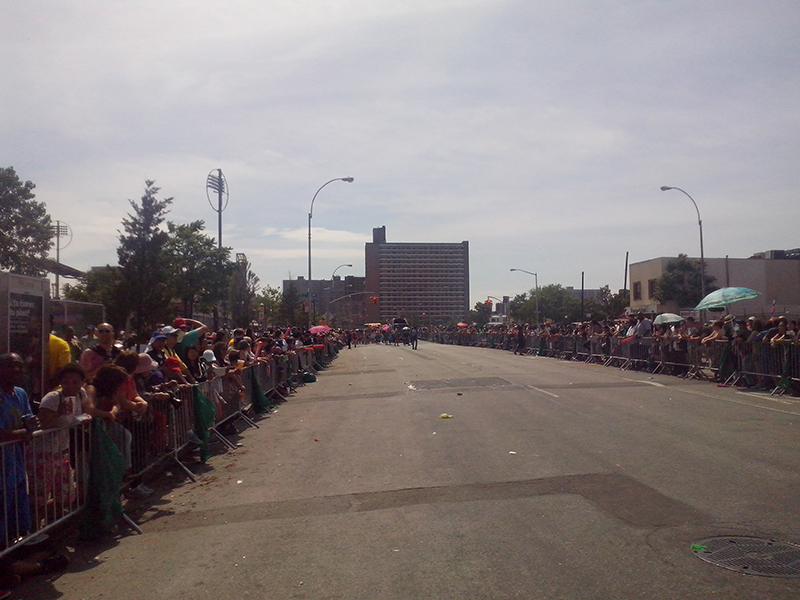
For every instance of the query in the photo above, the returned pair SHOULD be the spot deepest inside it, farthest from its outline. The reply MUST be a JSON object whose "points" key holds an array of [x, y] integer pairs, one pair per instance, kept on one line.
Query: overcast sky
{"points": [[539, 131]]}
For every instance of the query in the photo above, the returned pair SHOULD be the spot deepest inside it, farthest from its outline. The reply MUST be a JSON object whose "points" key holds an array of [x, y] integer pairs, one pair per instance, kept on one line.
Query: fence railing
{"points": [[775, 367], [44, 481]]}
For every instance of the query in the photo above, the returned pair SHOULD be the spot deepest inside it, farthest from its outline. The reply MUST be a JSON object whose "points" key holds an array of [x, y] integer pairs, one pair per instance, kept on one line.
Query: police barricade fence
{"points": [[44, 481], [774, 367]]}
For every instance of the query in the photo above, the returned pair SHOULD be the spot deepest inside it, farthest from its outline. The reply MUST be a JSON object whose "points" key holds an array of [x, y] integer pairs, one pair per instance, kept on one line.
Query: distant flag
{"points": [[772, 308]]}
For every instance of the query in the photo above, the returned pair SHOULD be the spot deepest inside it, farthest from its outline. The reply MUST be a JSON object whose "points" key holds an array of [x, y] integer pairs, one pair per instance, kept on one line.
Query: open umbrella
{"points": [[667, 318], [463, 325], [320, 329], [726, 296]]}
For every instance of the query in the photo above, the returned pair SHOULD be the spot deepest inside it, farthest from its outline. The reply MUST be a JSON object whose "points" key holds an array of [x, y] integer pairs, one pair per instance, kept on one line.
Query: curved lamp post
{"points": [[666, 188], [310, 213], [336, 269], [537, 291]]}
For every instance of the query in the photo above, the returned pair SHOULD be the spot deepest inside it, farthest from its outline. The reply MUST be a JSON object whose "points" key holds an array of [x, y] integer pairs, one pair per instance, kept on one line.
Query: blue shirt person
{"points": [[16, 422]]}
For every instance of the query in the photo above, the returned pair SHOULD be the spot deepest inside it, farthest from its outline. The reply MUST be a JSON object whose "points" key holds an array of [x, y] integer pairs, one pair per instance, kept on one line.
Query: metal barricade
{"points": [[44, 481]]}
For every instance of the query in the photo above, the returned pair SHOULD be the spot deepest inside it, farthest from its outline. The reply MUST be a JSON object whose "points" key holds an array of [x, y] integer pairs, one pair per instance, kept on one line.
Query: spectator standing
{"points": [[51, 469], [59, 355], [103, 352], [190, 337], [90, 339], [16, 423], [75, 348]]}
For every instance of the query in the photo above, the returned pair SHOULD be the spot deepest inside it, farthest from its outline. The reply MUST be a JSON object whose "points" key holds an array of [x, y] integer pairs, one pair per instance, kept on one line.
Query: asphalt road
{"points": [[551, 480]]}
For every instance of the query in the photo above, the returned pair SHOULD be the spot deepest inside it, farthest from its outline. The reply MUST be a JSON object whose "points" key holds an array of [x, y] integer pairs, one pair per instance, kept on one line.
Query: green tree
{"points": [[481, 314], [243, 289], [272, 299], [555, 303], [144, 262], [103, 286], [26, 231], [680, 283], [292, 312], [607, 305], [200, 271]]}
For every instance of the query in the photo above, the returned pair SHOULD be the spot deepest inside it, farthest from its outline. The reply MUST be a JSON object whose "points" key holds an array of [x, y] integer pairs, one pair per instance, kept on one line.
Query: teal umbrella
{"points": [[664, 318], [726, 296]]}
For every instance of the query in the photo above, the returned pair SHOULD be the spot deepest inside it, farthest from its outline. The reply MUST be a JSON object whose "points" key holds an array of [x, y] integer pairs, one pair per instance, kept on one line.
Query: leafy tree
{"points": [[200, 271], [102, 286], [555, 303], [272, 300], [607, 305], [680, 283], [144, 262], [243, 289], [481, 314], [26, 233], [292, 312]]}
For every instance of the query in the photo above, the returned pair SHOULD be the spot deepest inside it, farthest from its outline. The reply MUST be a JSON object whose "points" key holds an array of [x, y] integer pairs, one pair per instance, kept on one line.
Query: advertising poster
{"points": [[25, 338]]}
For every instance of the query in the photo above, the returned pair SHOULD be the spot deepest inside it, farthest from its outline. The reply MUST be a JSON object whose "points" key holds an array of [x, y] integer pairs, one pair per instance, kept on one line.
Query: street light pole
{"points": [[310, 213], [665, 188], [336, 269], [536, 278]]}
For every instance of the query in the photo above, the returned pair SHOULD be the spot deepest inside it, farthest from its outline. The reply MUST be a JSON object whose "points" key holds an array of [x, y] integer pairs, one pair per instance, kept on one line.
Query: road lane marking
{"points": [[530, 387]]}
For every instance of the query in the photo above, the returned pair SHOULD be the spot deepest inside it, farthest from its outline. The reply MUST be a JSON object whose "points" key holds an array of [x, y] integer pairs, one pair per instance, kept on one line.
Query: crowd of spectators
{"points": [[749, 352], [122, 382]]}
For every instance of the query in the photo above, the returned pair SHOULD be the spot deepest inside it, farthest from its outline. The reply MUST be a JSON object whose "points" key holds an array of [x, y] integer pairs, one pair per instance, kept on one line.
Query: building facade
{"points": [[776, 274], [427, 283], [338, 302]]}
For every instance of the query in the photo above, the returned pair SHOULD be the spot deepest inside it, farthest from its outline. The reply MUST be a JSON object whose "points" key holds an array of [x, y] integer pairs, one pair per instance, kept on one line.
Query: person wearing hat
{"points": [[173, 370], [157, 344], [90, 339]]}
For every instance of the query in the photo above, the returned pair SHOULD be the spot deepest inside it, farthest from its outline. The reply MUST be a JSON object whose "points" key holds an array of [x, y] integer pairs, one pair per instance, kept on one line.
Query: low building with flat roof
{"points": [[776, 274]]}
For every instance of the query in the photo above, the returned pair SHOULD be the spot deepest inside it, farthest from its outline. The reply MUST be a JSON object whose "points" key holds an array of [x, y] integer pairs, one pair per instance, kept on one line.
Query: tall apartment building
{"points": [[423, 282]]}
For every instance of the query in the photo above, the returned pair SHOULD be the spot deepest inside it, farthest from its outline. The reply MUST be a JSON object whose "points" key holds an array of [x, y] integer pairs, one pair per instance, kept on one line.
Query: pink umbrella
{"points": [[320, 329], [463, 325]]}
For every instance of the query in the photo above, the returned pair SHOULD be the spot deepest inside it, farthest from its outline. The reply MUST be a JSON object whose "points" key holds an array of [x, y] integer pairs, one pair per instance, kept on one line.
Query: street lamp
{"points": [[337, 268], [665, 188], [310, 213], [536, 276]]}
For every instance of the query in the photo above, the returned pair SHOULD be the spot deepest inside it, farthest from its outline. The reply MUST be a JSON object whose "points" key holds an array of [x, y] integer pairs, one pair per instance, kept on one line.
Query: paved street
{"points": [[551, 480]]}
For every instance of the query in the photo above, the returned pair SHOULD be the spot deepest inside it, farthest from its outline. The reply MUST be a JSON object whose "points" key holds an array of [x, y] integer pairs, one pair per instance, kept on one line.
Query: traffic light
{"points": [[374, 299]]}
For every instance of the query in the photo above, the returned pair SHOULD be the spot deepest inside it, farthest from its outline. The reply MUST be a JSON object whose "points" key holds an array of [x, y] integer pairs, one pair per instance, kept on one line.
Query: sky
{"points": [[539, 131]]}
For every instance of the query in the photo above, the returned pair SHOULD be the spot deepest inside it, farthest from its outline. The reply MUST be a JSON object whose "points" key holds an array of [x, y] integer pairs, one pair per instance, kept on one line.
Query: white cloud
{"points": [[540, 132]]}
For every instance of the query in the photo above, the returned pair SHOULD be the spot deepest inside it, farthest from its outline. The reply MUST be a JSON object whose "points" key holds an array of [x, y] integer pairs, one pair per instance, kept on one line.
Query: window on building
{"points": [[651, 288], [637, 290]]}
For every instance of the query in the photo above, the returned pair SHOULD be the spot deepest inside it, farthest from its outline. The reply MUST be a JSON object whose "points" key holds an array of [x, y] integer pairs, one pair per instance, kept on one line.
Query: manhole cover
{"points": [[751, 555]]}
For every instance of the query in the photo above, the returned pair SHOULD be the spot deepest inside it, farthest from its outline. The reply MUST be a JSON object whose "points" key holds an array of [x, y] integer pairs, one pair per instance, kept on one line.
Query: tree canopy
{"points": [[144, 262], [200, 271], [680, 283], [26, 231]]}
